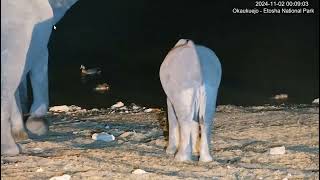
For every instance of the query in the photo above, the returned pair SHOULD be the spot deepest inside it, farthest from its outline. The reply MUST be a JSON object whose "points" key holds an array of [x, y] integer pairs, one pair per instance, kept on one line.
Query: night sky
{"points": [[261, 55]]}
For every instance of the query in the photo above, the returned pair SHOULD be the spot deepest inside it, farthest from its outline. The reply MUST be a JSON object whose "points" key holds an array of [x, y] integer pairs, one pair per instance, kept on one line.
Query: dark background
{"points": [[261, 55]]}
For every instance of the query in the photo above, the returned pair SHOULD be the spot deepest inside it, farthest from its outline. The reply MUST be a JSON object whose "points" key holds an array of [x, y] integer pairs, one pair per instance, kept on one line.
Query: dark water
{"points": [[261, 55]]}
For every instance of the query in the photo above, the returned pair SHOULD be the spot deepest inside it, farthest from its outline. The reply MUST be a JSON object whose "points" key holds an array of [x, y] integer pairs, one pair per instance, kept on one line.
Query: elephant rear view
{"points": [[190, 76]]}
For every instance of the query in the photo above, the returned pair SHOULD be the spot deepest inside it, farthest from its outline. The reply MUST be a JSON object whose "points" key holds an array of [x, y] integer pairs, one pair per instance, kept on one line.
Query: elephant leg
{"points": [[12, 64], [184, 150], [38, 63], [18, 130], [195, 139], [23, 94], [173, 130], [8, 145], [15, 40], [39, 83], [36, 124], [205, 126], [205, 143], [183, 104]]}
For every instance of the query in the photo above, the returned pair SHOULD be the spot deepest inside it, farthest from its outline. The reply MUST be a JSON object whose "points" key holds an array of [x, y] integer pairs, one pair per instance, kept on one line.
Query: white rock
{"points": [[62, 108], [64, 177], [135, 107], [82, 111], [103, 137], [74, 108], [117, 105], [107, 127], [123, 108], [278, 150], [139, 171], [37, 150], [39, 170], [95, 110], [315, 101], [148, 110]]}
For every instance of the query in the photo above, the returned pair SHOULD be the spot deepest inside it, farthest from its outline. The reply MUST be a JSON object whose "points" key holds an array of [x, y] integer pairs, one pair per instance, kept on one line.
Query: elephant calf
{"points": [[190, 76]]}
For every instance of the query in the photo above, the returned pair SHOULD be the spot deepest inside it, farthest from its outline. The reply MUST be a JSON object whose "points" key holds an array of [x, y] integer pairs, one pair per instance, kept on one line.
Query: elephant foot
{"points": [[205, 158], [195, 151], [19, 135], [183, 157], [10, 149], [171, 150], [37, 126]]}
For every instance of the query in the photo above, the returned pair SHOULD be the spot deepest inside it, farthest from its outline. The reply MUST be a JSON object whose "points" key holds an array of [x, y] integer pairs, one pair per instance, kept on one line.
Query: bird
{"points": [[102, 87], [92, 71]]}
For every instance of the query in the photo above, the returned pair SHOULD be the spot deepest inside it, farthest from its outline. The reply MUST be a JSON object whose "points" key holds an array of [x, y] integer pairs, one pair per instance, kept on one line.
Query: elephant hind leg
{"points": [[195, 138], [205, 126], [39, 83], [183, 103], [173, 130], [205, 143]]}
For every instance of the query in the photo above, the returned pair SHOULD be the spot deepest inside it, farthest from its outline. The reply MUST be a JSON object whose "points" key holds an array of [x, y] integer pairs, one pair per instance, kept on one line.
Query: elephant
{"points": [[25, 31], [190, 76]]}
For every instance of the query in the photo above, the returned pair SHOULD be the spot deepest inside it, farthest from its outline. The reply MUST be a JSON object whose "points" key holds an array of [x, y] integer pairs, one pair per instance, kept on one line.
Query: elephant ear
{"points": [[181, 42]]}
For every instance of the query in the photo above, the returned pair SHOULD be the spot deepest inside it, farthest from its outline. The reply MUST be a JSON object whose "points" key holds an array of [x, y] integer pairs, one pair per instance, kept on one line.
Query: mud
{"points": [[241, 141]]}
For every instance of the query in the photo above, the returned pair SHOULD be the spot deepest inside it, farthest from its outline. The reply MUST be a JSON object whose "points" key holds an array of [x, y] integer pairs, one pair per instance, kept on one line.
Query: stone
{"points": [[278, 150], [315, 101], [138, 137], [139, 171], [148, 110], [103, 137], [117, 105], [64, 177], [126, 134], [62, 108], [39, 170], [123, 108], [135, 107]]}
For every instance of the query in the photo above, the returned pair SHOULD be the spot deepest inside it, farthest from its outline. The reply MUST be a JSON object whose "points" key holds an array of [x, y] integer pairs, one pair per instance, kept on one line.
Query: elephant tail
{"points": [[200, 104]]}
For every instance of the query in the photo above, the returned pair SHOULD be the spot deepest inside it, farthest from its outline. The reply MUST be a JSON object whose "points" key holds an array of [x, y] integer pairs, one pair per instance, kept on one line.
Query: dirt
{"points": [[241, 141]]}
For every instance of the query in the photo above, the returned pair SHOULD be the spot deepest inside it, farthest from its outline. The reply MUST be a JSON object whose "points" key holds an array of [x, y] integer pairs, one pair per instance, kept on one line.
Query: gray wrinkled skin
{"points": [[25, 31], [190, 76]]}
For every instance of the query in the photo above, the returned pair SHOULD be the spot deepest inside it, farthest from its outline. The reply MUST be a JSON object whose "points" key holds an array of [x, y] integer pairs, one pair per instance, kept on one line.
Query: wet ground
{"points": [[241, 142]]}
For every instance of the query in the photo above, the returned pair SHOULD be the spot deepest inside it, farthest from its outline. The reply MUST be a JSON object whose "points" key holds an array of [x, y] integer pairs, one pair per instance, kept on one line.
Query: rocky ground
{"points": [[244, 140]]}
